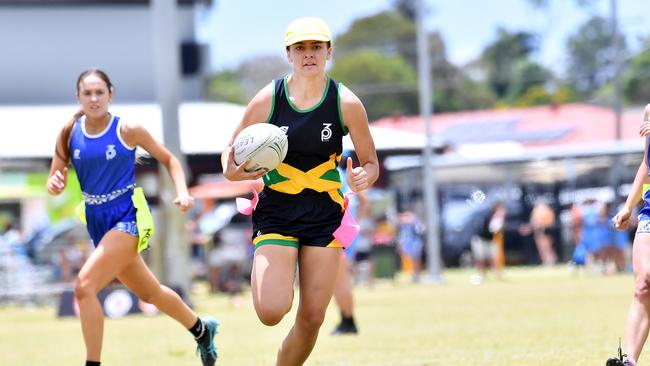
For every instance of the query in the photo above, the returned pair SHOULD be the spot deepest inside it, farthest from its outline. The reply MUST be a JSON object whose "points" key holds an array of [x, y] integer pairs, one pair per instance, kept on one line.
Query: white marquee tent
{"points": [[30, 131]]}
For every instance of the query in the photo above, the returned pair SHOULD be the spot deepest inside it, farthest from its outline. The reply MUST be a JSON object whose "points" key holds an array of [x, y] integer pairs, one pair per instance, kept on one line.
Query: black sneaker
{"points": [[205, 347], [342, 329], [614, 362], [620, 360]]}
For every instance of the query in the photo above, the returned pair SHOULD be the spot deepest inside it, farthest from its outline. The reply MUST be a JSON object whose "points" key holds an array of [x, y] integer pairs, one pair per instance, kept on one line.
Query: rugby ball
{"points": [[263, 144]]}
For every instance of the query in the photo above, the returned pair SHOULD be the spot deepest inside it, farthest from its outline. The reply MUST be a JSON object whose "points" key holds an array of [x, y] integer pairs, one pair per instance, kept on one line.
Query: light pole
{"points": [[617, 167], [430, 186], [171, 231], [617, 68]]}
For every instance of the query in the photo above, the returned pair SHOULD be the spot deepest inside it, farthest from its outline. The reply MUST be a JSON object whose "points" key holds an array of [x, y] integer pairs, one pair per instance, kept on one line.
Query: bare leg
{"points": [[493, 262], [318, 271], [115, 252], [481, 268], [274, 271], [139, 279], [417, 268], [343, 289], [545, 248], [214, 279], [620, 259], [638, 318]]}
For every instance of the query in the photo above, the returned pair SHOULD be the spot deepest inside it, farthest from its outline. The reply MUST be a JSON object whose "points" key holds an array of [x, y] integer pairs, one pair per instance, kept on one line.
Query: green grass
{"points": [[535, 317]]}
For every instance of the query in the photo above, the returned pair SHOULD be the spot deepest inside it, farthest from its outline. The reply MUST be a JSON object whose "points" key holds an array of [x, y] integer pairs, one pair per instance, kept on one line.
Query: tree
{"points": [[541, 4], [388, 32], [408, 8], [257, 72], [591, 56], [392, 34], [526, 74], [457, 92], [636, 79], [225, 86], [240, 85], [500, 57], [386, 85], [535, 95]]}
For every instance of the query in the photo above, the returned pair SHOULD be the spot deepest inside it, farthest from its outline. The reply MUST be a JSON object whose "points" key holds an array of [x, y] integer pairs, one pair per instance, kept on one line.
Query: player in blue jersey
{"points": [[638, 317], [302, 206], [101, 147]]}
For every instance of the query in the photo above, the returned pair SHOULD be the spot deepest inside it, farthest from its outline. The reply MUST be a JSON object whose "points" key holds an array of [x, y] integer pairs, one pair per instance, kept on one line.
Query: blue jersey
{"points": [[644, 214], [105, 165]]}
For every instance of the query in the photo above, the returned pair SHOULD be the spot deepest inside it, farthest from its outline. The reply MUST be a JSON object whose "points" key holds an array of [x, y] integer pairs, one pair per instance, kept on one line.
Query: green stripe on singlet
{"points": [[332, 175]]}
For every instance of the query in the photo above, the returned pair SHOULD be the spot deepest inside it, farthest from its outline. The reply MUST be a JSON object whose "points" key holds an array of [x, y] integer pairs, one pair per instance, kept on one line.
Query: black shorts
{"points": [[309, 218], [362, 256]]}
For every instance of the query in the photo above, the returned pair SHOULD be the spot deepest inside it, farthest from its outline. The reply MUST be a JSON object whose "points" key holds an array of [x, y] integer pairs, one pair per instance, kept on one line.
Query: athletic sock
{"points": [[347, 320], [93, 363], [197, 329], [629, 361]]}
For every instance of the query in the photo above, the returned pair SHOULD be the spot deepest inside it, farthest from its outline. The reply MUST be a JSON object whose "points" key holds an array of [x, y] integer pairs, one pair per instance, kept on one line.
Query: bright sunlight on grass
{"points": [[535, 317]]}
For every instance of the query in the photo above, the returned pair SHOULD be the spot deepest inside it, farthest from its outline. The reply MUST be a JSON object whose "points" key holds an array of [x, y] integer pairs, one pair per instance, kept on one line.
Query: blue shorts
{"points": [[644, 225], [118, 214], [579, 254]]}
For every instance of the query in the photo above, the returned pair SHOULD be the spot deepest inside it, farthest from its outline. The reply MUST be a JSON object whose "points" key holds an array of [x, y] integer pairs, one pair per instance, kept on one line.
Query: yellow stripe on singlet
{"points": [[316, 179]]}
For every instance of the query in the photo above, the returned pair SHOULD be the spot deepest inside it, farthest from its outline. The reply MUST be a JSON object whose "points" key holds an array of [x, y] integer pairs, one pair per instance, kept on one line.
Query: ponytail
{"points": [[62, 148]]}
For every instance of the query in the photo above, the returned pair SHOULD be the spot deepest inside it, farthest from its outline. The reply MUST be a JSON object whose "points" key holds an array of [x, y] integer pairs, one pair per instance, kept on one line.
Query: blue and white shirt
{"points": [[105, 164]]}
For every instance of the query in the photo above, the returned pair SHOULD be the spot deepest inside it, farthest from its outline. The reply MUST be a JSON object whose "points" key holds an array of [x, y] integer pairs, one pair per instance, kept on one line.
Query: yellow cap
{"points": [[307, 29]]}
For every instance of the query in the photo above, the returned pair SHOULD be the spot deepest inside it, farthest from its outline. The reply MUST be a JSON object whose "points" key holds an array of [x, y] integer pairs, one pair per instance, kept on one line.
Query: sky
{"points": [[239, 30]]}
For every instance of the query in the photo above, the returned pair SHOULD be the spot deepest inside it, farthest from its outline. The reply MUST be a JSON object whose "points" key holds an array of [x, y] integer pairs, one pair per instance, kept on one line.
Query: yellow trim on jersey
{"points": [[335, 244], [297, 180], [276, 239]]}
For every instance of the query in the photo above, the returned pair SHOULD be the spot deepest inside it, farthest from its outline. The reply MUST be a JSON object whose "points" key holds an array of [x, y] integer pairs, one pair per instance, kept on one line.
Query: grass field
{"points": [[535, 317]]}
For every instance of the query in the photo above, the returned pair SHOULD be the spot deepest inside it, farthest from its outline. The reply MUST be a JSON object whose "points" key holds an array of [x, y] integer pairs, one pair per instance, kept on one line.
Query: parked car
{"points": [[46, 242], [463, 211], [460, 220]]}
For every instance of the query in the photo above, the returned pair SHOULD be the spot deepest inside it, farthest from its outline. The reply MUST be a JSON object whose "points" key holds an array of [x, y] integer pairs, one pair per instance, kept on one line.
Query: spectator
{"points": [[484, 245], [542, 219], [410, 241]]}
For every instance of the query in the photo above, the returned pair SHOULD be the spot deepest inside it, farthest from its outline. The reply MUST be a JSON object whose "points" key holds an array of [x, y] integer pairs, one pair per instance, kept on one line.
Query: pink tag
{"points": [[349, 229], [246, 206]]}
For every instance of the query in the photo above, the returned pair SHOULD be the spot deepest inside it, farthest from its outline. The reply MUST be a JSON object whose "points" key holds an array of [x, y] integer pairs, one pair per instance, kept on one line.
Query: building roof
{"points": [[569, 124], [204, 127], [483, 138]]}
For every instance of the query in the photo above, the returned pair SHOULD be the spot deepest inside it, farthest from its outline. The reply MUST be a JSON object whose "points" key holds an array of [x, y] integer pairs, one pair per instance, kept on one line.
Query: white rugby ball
{"points": [[263, 144]]}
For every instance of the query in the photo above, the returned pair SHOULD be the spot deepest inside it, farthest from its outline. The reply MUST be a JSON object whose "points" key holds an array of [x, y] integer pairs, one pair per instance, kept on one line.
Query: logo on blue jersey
{"points": [[110, 152], [77, 154], [326, 133]]}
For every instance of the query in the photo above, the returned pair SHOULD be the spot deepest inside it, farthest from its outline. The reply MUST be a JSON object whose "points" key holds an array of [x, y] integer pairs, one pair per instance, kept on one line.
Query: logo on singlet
{"points": [[326, 133], [146, 237], [77, 154], [110, 152]]}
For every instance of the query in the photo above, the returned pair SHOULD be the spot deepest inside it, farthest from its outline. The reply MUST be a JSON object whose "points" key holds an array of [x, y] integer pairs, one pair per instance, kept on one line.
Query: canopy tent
{"points": [[205, 128]]}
